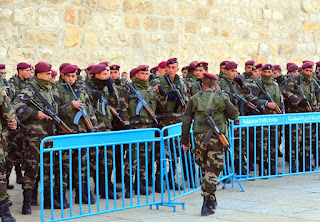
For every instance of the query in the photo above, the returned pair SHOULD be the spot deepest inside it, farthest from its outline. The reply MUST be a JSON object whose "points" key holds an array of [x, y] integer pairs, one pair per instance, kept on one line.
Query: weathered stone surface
{"points": [[11, 32], [5, 13], [49, 18], [186, 11], [24, 15], [114, 22], [69, 15], [3, 53], [90, 38], [143, 7], [41, 37], [312, 27], [127, 6], [76, 2], [191, 27], [82, 17], [306, 5], [72, 36], [92, 4], [168, 24], [225, 33], [119, 40], [151, 23], [163, 8], [5, 2], [110, 5], [132, 22], [202, 13]]}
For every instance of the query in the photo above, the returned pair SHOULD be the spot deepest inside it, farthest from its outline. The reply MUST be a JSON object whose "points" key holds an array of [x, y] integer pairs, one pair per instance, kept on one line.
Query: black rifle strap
{"points": [[43, 100]]}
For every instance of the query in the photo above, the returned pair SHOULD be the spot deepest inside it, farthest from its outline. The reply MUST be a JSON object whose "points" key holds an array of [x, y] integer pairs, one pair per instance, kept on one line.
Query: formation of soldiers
{"points": [[35, 104]]}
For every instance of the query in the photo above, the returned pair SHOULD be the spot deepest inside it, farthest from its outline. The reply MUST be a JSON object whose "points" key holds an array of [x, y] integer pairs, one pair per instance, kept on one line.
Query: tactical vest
{"points": [[19, 84], [202, 103], [144, 118], [308, 89], [1, 104], [274, 91]]}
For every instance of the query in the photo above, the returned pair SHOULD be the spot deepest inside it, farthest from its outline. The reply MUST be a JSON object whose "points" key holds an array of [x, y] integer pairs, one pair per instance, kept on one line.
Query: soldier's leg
{"points": [[142, 149], [18, 157], [130, 168], [9, 145], [304, 151]]}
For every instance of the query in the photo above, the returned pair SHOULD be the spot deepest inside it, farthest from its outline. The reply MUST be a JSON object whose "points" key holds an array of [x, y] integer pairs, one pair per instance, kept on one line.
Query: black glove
{"points": [[303, 103], [109, 85], [172, 96], [239, 81], [96, 95]]}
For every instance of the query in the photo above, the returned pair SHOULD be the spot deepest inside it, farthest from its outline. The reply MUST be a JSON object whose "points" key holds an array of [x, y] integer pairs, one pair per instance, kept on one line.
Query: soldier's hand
{"points": [[13, 124], [271, 105], [156, 88], [77, 104], [42, 116], [186, 148]]}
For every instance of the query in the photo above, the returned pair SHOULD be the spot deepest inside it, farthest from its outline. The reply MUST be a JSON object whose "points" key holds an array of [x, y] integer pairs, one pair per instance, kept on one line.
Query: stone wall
{"points": [[133, 32]]}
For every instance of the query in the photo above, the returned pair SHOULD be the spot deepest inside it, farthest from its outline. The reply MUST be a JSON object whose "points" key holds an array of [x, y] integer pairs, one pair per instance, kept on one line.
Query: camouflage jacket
{"points": [[247, 77], [189, 83], [18, 84], [28, 113], [7, 111], [9, 88], [293, 98], [68, 112]]}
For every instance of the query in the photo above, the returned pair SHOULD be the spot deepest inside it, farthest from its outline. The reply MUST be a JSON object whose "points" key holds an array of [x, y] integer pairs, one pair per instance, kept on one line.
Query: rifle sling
{"points": [[43, 100]]}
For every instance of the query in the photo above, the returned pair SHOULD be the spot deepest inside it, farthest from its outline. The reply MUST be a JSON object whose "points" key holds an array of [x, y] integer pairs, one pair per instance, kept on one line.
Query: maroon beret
{"points": [[223, 63], [2, 66], [155, 68], [23, 65], [162, 64], [259, 66], [43, 67], [267, 67], [89, 67], [209, 76], [105, 63], [98, 68], [292, 68], [193, 64], [202, 64], [318, 63], [54, 73], [133, 72], [303, 62], [250, 62], [69, 69], [289, 64], [276, 67], [172, 61], [64, 65], [114, 67], [300, 69], [231, 65], [142, 68], [307, 65]]}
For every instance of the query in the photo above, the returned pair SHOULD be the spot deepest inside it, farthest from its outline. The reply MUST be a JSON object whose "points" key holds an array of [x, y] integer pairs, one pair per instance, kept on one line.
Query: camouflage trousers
{"points": [[3, 181], [15, 151], [243, 139], [32, 161], [210, 158]]}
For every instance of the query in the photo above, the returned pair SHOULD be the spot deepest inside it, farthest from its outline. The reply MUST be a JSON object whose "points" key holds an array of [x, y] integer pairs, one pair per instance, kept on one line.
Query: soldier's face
{"points": [[103, 75], [114, 74], [248, 68], [172, 69], [185, 73], [199, 72], [44, 75], [3, 72], [294, 73], [70, 78], [256, 73], [267, 72], [308, 71], [223, 69], [276, 73], [162, 71], [124, 75], [24, 73], [317, 68], [144, 75], [232, 73]]}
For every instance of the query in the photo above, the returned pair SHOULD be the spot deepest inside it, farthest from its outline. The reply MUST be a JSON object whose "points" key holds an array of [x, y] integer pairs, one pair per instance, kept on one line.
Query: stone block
{"points": [[311, 27], [69, 15], [92, 4], [82, 56], [287, 48], [259, 59], [202, 13], [151, 23], [277, 15], [24, 15], [191, 27], [316, 6], [46, 54], [56, 1], [5, 13], [172, 38], [3, 53], [163, 8], [114, 21], [110, 5], [90, 38], [127, 6], [82, 17], [48, 18], [168, 24], [10, 30], [186, 11], [76, 2], [120, 40], [225, 33], [132, 22], [72, 36], [36, 37], [143, 7], [306, 5], [5, 2]]}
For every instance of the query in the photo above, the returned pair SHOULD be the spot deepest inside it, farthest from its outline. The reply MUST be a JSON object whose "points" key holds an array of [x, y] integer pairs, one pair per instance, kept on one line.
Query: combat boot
{"points": [[19, 174], [84, 195], [5, 212], [143, 188], [26, 207], [208, 206], [65, 201], [47, 200], [9, 186]]}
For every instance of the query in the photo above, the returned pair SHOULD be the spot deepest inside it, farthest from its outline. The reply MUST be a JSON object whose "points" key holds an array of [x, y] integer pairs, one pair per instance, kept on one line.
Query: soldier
{"points": [[184, 72], [222, 68], [3, 82], [8, 117], [293, 70], [37, 126], [256, 71], [102, 90], [14, 158], [162, 68], [124, 75], [267, 106], [200, 68], [317, 67], [300, 96], [60, 73], [209, 154], [53, 79], [247, 75]]}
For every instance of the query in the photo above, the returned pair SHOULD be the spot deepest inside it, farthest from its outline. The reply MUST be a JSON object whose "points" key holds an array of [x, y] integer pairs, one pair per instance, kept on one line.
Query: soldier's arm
{"points": [[7, 111], [90, 111], [247, 93], [161, 96], [64, 110], [288, 92], [230, 111], [23, 111], [124, 105], [186, 123]]}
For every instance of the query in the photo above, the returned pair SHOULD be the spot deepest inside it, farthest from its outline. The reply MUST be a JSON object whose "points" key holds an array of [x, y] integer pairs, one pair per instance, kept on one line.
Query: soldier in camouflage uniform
{"points": [[222, 69], [190, 79], [37, 126], [200, 68], [256, 71], [234, 85], [101, 87], [298, 103], [208, 156], [68, 109], [247, 75], [267, 107], [19, 82], [8, 118]]}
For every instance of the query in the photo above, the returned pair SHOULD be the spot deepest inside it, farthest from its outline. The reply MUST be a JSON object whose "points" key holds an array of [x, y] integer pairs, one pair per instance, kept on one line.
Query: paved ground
{"points": [[293, 198]]}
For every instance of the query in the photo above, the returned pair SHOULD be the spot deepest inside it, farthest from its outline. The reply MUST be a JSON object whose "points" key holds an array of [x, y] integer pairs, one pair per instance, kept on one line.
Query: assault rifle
{"points": [[177, 92], [50, 113], [105, 103], [269, 98], [244, 101], [82, 113], [141, 101], [301, 93]]}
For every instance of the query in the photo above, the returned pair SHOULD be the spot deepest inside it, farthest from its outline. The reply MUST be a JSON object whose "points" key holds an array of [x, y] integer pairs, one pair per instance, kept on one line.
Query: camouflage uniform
{"points": [[247, 77], [189, 81], [209, 157], [292, 101], [7, 115]]}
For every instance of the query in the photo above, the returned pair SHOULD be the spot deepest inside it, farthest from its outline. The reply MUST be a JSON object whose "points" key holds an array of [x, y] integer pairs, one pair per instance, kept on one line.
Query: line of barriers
{"points": [[81, 168]]}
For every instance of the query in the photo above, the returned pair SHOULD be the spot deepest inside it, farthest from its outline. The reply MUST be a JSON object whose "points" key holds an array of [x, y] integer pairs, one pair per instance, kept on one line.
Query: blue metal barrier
{"points": [[279, 145]]}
